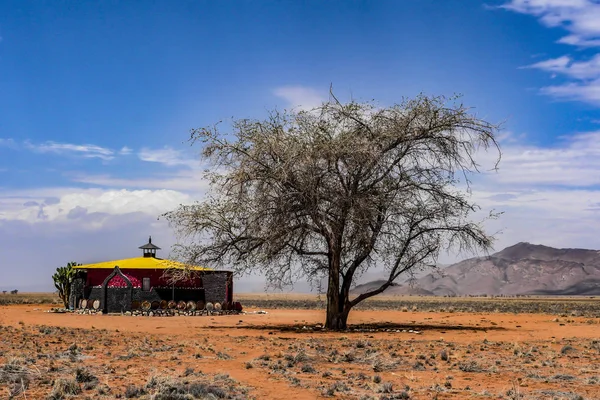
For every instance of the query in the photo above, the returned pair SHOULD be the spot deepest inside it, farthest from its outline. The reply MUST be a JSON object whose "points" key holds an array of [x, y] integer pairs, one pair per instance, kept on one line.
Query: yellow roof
{"points": [[141, 263]]}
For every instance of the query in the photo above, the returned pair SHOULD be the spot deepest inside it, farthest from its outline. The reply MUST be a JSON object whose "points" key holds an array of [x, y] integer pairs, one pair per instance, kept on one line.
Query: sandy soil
{"points": [[453, 355]]}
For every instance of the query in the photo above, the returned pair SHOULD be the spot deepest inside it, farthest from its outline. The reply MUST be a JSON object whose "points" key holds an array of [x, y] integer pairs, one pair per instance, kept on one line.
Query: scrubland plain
{"points": [[397, 348]]}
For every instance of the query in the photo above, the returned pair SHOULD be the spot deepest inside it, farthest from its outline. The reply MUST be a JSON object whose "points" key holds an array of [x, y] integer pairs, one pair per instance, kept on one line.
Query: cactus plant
{"points": [[62, 281]]}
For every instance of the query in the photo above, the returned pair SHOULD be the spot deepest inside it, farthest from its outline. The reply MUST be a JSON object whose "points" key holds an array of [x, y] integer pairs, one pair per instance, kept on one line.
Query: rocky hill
{"points": [[520, 269]]}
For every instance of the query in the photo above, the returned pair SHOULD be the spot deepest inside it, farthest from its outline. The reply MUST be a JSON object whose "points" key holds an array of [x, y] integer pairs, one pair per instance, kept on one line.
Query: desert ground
{"points": [[396, 348]]}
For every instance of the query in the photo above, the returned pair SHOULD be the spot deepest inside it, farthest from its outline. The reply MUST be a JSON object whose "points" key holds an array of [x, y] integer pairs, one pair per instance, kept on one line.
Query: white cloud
{"points": [[581, 18], [573, 162], [167, 156], [84, 208], [508, 137], [303, 98], [587, 91], [83, 150], [581, 70], [125, 151]]}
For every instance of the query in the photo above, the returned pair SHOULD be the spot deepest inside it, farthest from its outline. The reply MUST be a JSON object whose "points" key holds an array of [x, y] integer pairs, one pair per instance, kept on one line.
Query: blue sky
{"points": [[96, 101]]}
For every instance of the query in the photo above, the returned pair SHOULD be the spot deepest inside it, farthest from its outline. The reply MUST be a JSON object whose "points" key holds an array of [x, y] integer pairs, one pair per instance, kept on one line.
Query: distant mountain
{"points": [[520, 269]]}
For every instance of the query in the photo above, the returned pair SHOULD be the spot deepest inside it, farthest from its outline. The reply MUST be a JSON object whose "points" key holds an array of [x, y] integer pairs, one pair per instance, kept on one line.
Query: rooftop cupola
{"points": [[149, 249]]}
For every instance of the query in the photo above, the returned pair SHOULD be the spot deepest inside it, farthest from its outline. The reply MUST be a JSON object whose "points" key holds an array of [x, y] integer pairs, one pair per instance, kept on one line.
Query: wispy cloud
{"points": [[300, 97], [583, 91], [82, 150], [565, 65], [573, 162], [125, 151], [167, 156], [581, 18], [584, 78]]}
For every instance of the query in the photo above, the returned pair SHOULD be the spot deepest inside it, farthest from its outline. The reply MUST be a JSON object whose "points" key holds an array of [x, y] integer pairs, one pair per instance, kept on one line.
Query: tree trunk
{"points": [[336, 320], [67, 295], [337, 316]]}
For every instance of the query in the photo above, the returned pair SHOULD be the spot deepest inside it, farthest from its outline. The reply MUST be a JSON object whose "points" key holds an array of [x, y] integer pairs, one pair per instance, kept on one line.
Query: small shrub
{"points": [[563, 377], [132, 392], [567, 349], [418, 366], [471, 366], [308, 368], [403, 395], [301, 356], [103, 390], [349, 357], [387, 387], [63, 388], [202, 391], [82, 375], [444, 355]]}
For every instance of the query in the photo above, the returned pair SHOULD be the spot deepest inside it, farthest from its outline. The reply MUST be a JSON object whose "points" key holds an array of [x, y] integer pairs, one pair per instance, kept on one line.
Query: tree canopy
{"points": [[330, 192]]}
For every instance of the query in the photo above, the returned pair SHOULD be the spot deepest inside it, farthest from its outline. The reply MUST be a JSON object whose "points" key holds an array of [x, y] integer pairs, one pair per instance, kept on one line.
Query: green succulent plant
{"points": [[63, 277]]}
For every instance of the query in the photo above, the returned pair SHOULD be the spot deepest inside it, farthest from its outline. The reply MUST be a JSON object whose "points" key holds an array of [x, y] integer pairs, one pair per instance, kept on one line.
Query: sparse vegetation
{"points": [[587, 307], [50, 362], [29, 298]]}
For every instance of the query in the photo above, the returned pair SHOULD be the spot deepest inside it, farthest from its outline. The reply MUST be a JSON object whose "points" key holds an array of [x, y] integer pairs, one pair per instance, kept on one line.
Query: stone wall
{"points": [[215, 286], [185, 294], [118, 300], [137, 294], [140, 295], [94, 293]]}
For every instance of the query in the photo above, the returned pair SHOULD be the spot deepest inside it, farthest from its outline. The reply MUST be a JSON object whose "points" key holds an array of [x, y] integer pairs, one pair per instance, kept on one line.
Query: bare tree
{"points": [[336, 190]]}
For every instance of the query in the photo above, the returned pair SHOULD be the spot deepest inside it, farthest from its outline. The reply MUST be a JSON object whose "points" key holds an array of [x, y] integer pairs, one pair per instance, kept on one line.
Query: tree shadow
{"points": [[374, 327]]}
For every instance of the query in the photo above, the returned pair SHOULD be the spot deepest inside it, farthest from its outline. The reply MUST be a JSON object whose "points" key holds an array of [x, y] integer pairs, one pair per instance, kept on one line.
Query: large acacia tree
{"points": [[331, 192]]}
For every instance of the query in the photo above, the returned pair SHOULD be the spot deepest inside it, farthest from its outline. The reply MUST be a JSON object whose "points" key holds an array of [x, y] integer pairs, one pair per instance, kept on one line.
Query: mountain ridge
{"points": [[520, 269]]}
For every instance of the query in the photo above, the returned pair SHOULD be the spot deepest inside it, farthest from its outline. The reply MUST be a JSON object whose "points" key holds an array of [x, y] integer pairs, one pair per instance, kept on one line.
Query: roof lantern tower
{"points": [[149, 249]]}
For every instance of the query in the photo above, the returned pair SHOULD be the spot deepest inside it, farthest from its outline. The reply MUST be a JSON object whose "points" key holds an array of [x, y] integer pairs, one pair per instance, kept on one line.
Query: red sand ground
{"points": [[232, 335]]}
